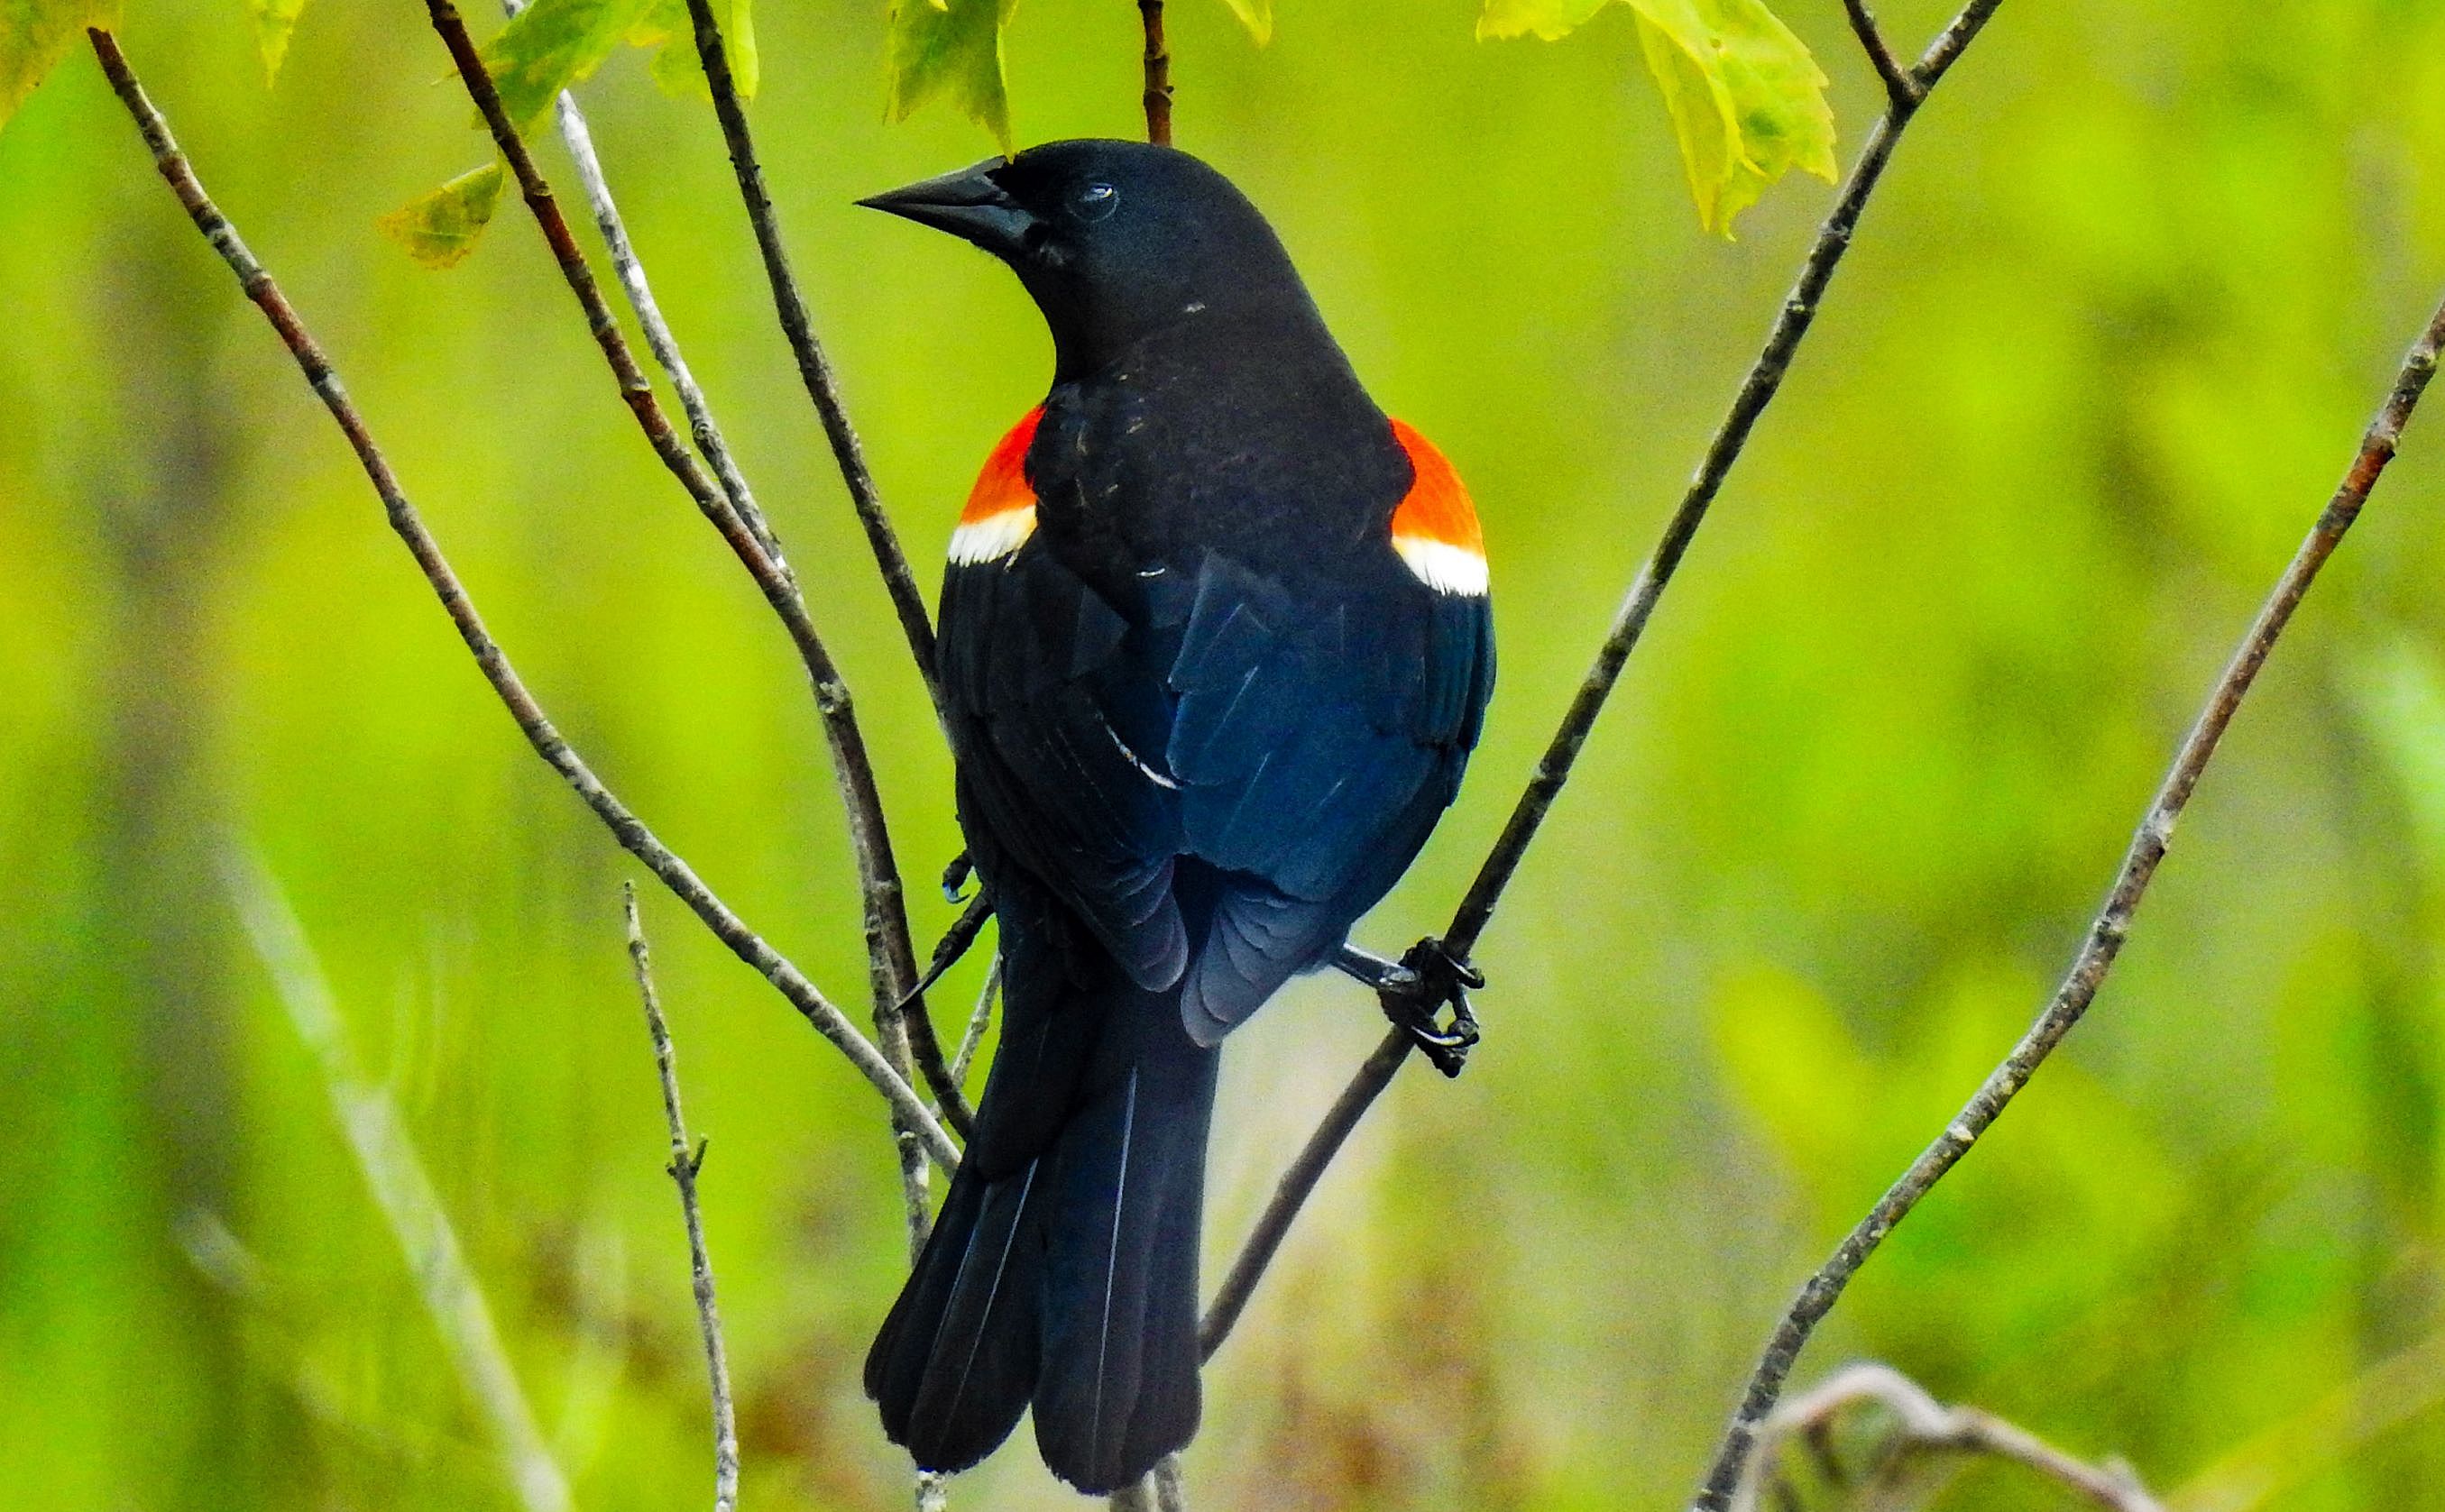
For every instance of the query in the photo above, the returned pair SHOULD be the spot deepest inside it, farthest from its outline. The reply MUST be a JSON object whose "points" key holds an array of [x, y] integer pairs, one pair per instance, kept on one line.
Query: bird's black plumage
{"points": [[1214, 649]]}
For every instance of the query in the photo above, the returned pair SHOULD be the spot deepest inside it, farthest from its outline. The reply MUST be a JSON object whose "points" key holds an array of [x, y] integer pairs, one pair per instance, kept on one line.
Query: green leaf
{"points": [[1257, 15], [273, 22], [35, 34], [1747, 99], [668, 26], [552, 44], [440, 229], [952, 51]]}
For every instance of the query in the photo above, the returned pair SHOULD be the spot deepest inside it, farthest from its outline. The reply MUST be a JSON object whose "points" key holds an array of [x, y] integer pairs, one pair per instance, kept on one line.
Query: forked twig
{"points": [[1901, 88], [2106, 933], [1553, 769], [684, 1168], [532, 722], [1923, 1426]]}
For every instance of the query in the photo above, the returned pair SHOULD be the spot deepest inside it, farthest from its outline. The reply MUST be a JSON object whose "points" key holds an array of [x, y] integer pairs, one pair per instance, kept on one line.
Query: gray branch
{"points": [[683, 1170], [1924, 1428]]}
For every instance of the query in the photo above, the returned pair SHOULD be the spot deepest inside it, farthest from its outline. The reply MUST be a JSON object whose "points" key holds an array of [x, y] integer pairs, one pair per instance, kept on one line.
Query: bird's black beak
{"points": [[968, 204]]}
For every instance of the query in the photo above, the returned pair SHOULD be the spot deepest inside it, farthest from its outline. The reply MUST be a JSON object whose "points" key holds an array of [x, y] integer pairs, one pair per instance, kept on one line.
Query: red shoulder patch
{"points": [[1434, 527], [1000, 513]]}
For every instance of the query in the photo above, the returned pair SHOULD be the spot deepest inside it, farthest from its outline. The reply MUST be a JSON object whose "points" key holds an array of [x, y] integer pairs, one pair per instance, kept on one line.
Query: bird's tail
{"points": [[1062, 1271]]}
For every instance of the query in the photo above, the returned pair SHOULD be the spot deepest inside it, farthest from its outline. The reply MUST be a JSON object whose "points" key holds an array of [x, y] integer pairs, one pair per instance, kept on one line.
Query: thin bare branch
{"points": [[702, 429], [1924, 1427], [1900, 87], [1374, 1075], [395, 1174], [978, 1022], [684, 1168], [541, 733], [892, 957], [815, 368], [1157, 64], [2106, 933], [1757, 390]]}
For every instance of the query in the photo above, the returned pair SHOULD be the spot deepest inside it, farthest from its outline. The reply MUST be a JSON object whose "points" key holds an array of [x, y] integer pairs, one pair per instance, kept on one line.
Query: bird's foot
{"points": [[955, 878], [1415, 992]]}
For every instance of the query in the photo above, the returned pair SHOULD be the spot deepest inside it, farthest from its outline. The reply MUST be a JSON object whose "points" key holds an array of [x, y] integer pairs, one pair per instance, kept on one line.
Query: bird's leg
{"points": [[1365, 967], [1414, 991], [952, 945]]}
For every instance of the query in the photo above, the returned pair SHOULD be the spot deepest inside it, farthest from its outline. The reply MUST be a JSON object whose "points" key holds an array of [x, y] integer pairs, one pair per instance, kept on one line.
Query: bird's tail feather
{"points": [[1068, 1278]]}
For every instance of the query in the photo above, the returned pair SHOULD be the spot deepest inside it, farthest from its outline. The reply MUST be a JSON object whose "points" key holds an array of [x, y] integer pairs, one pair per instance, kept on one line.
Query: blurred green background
{"points": [[2107, 338]]}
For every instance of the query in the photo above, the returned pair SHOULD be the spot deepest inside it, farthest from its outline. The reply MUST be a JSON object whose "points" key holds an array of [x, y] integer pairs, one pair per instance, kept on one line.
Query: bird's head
{"points": [[1115, 240]]}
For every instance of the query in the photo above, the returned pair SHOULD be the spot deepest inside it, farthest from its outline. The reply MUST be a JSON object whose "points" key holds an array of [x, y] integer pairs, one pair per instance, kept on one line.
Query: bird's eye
{"points": [[1094, 201]]}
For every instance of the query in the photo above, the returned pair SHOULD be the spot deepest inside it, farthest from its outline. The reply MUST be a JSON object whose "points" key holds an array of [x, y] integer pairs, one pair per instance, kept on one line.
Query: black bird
{"points": [[1215, 646]]}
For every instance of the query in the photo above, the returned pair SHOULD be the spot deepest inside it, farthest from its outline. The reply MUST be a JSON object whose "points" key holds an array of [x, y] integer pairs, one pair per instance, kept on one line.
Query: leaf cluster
{"points": [[1745, 99]]}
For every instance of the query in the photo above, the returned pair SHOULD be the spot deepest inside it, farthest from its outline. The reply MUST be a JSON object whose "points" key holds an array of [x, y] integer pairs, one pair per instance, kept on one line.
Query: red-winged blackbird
{"points": [[1215, 646]]}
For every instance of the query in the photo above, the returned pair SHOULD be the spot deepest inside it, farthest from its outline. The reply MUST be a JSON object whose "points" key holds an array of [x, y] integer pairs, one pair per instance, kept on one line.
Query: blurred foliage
{"points": [[35, 34], [440, 229], [2108, 334]]}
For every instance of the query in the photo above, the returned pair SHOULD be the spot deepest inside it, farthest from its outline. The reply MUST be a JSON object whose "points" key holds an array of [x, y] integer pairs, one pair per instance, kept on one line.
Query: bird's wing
{"points": [[1316, 748]]}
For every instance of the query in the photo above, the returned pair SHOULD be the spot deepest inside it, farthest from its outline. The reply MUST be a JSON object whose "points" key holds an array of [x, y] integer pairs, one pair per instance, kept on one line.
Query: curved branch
{"points": [[2106, 933], [541, 733]]}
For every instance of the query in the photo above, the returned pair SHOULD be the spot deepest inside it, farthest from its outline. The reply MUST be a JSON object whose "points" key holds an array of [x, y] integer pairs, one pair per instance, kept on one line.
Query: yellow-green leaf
{"points": [[1257, 15], [552, 44], [273, 22], [440, 229], [952, 52], [668, 26], [1747, 99], [35, 34]]}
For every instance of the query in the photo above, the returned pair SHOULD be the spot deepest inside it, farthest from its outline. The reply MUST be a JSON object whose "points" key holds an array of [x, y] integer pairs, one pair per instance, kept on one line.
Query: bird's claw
{"points": [[1429, 979]]}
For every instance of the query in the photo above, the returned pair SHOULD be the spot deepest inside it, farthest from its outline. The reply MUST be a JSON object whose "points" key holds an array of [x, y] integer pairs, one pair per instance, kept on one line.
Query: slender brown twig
{"points": [[1757, 390], [631, 833], [892, 956], [1158, 74], [2106, 933], [1924, 1427], [815, 368], [684, 1168], [1900, 87]]}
